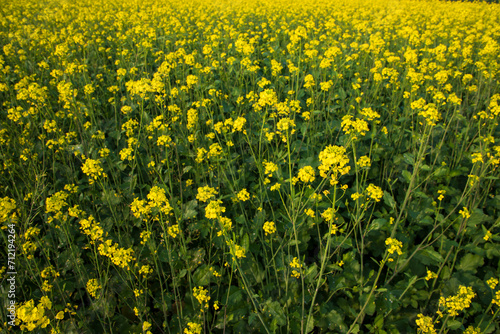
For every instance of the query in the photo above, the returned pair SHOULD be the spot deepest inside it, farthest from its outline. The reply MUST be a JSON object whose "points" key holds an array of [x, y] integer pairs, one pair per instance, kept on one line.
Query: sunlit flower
{"points": [[269, 228]]}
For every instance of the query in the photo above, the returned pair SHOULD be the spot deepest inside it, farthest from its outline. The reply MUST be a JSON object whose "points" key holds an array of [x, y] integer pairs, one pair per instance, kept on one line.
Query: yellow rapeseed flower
{"points": [[394, 245], [306, 174], [269, 228]]}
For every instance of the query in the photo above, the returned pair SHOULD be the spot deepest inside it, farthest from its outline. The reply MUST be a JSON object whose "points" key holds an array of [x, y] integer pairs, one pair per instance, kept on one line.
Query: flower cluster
{"points": [[334, 160], [92, 168], [394, 245], [269, 228], [55, 203], [458, 302], [214, 209], [121, 257], [202, 296], [374, 192], [157, 204], [93, 287], [30, 316], [425, 324], [237, 251], [364, 161], [306, 174], [243, 195], [193, 328], [356, 127], [296, 265], [7, 209], [92, 228]]}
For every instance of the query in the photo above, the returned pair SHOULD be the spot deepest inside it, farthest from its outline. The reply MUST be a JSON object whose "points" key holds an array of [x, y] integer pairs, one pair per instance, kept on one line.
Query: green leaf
{"points": [[275, 311], [453, 324], [470, 262], [235, 297], [406, 176], [310, 325], [409, 158], [336, 321], [370, 307], [342, 93], [430, 256], [477, 217], [311, 271], [182, 273], [189, 209], [389, 200], [202, 276], [245, 243]]}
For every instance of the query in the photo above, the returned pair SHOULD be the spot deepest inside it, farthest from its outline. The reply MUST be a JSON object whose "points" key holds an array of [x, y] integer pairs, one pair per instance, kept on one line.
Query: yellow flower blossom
{"points": [[205, 193], [269, 228], [306, 174], [464, 213], [173, 231], [492, 282], [92, 168], [394, 245], [458, 302], [425, 324], [243, 195], [214, 209], [375, 192], [193, 328], [93, 287], [430, 275]]}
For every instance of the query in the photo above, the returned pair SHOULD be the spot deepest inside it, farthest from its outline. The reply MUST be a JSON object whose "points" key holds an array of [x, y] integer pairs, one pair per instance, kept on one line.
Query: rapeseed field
{"points": [[249, 166]]}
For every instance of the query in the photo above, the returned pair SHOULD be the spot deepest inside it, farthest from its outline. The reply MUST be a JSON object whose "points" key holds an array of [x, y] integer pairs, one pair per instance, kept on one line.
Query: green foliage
{"points": [[248, 167]]}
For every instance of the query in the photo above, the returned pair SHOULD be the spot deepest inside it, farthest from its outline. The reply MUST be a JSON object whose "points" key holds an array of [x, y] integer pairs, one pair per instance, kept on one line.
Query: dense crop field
{"points": [[249, 167]]}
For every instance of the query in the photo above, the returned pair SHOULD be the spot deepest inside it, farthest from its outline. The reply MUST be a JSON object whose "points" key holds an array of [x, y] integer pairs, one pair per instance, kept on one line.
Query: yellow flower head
{"points": [[306, 174], [193, 328], [364, 161], [492, 282], [92, 168], [430, 275], [243, 195], [173, 230], [394, 245], [205, 193], [464, 212], [425, 324], [93, 287], [214, 209], [269, 228], [375, 192]]}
